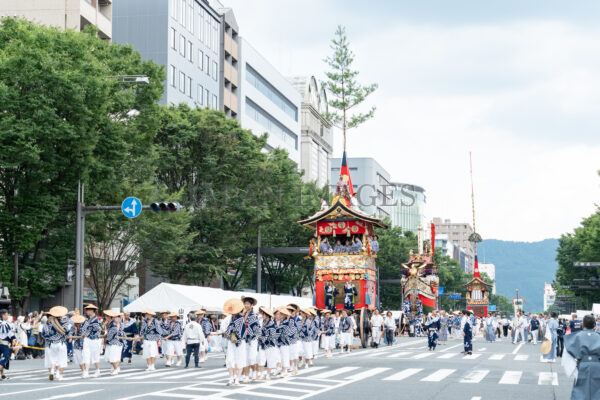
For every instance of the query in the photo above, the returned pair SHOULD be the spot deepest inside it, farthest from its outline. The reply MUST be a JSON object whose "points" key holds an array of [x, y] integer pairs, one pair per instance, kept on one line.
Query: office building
{"points": [[66, 14], [549, 296], [316, 138], [408, 207], [490, 270], [458, 233], [371, 184], [269, 102], [182, 35]]}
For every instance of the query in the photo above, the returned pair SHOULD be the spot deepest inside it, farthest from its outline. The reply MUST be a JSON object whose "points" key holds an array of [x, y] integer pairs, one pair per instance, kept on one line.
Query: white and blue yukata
{"points": [[468, 338], [77, 344], [349, 293], [174, 346], [346, 332], [432, 326], [490, 334], [207, 328], [444, 321], [283, 342], [330, 293], [129, 330], [268, 344], [236, 350], [250, 333], [328, 328], [92, 345], [293, 339], [306, 338], [151, 332], [316, 334], [55, 344], [419, 326], [6, 337], [552, 335], [114, 346]]}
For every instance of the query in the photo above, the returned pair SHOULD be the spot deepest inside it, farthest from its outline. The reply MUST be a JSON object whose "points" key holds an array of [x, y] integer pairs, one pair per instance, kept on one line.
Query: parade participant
{"points": [[349, 293], [534, 327], [347, 247], [306, 336], [376, 323], [55, 334], [328, 333], [92, 345], [356, 245], [192, 337], [330, 293], [575, 324], [551, 336], [151, 334], [520, 325], [76, 338], [325, 247], [130, 329], [444, 323], [346, 331], [250, 333], [207, 329], [339, 248], [174, 345], [281, 331], [560, 337], [489, 329], [236, 348], [468, 333], [389, 325], [432, 327], [7, 339], [164, 324], [375, 245], [293, 338], [268, 353], [114, 346], [315, 329], [582, 360]]}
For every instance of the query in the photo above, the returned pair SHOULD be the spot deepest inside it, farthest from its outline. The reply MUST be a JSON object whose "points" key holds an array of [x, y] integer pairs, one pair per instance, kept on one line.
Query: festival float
{"points": [[345, 279]]}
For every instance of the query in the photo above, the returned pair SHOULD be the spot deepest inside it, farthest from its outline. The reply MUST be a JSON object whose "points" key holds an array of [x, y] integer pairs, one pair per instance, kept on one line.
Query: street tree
{"points": [[342, 84]]}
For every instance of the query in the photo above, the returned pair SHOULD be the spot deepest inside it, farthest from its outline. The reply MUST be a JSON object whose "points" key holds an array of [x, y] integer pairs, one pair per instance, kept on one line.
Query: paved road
{"points": [[499, 370]]}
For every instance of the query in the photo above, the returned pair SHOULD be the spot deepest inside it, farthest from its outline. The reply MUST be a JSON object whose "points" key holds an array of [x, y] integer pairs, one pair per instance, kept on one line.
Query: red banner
{"points": [[433, 238], [342, 228]]}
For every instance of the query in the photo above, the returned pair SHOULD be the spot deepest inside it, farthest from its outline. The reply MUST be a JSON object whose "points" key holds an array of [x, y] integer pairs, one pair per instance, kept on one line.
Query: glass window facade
{"points": [[270, 124], [271, 93]]}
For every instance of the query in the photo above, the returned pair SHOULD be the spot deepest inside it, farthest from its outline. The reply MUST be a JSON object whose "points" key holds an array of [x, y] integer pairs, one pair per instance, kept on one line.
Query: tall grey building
{"points": [[185, 36], [316, 137], [458, 234], [408, 207]]}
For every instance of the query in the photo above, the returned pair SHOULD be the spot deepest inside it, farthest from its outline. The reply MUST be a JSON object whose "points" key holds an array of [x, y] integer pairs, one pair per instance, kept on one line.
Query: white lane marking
{"points": [[438, 375], [448, 355], [496, 357], [77, 394], [476, 398], [399, 354], [422, 355], [269, 395], [38, 389], [221, 374], [451, 347], [521, 357], [303, 384], [386, 349], [548, 378], [368, 373], [511, 378], [403, 374], [199, 374], [475, 376], [482, 349], [329, 374], [515, 351], [127, 372], [472, 356], [175, 395]]}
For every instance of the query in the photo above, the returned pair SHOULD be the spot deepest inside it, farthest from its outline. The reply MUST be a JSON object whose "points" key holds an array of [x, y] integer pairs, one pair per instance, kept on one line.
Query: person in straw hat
{"points": [[7, 338], [55, 334], [315, 329], [346, 331], [306, 337], [294, 342], [267, 353], [250, 333], [206, 330], [92, 345], [130, 329], [236, 350], [151, 334], [174, 345], [114, 346], [76, 338], [327, 333], [283, 340]]}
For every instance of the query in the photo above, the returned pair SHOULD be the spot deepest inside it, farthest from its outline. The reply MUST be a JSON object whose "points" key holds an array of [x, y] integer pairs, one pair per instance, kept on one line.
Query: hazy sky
{"points": [[518, 85]]}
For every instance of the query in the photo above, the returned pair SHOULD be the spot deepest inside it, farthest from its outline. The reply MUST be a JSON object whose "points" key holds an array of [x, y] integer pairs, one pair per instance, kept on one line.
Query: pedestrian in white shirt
{"points": [[192, 337], [520, 326], [376, 327]]}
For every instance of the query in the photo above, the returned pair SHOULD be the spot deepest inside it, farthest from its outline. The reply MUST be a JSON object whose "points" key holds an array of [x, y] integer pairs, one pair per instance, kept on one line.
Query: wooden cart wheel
{"points": [[365, 329]]}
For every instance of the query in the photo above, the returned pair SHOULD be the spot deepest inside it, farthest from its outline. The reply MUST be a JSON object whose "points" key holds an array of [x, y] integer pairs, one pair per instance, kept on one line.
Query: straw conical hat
{"points": [[233, 306], [58, 311], [78, 319]]}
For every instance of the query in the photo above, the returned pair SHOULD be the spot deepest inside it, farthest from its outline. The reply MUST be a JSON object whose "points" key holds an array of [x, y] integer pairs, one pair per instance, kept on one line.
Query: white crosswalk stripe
{"points": [[403, 374], [475, 376], [511, 378], [448, 355], [497, 357], [329, 374], [438, 375], [521, 357], [472, 356], [548, 378], [422, 355], [399, 354]]}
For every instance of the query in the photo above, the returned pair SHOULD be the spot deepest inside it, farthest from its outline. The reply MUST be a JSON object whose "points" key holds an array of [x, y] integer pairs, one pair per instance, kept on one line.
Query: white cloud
{"points": [[522, 95]]}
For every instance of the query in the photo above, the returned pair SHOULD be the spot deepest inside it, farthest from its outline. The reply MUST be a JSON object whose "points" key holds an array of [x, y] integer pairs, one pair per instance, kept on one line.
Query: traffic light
{"points": [[4, 296], [164, 206]]}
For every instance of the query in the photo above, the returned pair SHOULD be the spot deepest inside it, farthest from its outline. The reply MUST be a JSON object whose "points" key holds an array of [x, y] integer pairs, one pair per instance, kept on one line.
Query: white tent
{"points": [[183, 299]]}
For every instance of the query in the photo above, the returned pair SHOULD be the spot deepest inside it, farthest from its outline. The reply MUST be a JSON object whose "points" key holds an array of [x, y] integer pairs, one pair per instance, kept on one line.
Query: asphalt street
{"points": [[408, 370]]}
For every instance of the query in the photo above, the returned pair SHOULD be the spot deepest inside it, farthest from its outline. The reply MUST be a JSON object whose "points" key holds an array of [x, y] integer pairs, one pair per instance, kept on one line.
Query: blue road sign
{"points": [[455, 296], [492, 307], [441, 290], [131, 207]]}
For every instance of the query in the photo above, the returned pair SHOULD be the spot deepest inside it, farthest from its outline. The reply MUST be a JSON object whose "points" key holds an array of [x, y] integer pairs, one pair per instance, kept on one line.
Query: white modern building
{"points": [[269, 102], [549, 296], [490, 270], [317, 138], [65, 14]]}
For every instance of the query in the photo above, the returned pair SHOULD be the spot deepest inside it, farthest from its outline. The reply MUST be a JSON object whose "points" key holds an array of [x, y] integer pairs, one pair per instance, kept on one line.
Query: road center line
{"points": [[515, 351]]}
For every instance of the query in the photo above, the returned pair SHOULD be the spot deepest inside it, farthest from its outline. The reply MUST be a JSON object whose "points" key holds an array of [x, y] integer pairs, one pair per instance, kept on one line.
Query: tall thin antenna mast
{"points": [[473, 198]]}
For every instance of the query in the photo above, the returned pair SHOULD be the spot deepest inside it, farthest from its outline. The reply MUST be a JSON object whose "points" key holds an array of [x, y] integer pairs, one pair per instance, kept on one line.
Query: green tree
{"points": [[63, 119], [341, 83]]}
